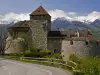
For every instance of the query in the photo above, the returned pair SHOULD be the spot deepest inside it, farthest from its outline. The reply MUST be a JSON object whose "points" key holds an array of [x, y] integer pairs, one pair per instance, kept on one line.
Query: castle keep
{"points": [[37, 32]]}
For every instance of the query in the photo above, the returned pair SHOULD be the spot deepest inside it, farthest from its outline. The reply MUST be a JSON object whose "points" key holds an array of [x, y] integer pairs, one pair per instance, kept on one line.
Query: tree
{"points": [[3, 36]]}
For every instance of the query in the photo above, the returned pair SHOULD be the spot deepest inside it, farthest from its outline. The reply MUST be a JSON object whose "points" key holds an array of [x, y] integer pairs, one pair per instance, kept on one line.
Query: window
{"points": [[86, 42], [97, 42], [71, 42], [44, 16], [55, 50]]}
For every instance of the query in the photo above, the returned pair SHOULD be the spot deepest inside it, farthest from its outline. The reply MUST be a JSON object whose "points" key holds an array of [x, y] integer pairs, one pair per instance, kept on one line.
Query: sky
{"points": [[12, 9], [79, 6]]}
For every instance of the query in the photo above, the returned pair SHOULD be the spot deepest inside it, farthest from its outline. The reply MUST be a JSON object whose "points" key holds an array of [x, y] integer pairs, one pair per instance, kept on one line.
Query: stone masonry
{"points": [[39, 34]]}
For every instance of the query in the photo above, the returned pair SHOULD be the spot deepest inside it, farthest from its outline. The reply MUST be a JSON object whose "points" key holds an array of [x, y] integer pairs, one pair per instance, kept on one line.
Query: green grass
{"points": [[85, 66]]}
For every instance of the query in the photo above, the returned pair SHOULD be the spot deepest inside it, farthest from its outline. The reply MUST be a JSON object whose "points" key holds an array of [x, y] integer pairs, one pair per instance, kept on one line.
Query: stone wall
{"points": [[54, 44], [39, 34], [22, 34], [80, 48], [14, 45]]}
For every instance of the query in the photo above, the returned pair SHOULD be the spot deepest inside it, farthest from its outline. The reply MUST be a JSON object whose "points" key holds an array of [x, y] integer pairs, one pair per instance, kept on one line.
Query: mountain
{"points": [[96, 23], [64, 23], [3, 29]]}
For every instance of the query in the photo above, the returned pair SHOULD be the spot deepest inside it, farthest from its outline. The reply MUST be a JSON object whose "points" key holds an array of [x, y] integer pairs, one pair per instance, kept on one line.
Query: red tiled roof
{"points": [[39, 11]]}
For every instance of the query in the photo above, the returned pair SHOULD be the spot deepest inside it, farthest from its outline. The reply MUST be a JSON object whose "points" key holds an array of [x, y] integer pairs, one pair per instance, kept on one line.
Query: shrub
{"points": [[77, 72], [90, 66], [37, 53], [14, 54], [71, 63], [75, 58], [69, 67], [44, 53], [56, 55]]}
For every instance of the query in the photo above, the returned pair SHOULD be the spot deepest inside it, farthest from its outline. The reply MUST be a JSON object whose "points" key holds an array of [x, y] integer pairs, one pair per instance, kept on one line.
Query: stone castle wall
{"points": [[54, 44], [39, 34], [80, 48], [15, 45]]}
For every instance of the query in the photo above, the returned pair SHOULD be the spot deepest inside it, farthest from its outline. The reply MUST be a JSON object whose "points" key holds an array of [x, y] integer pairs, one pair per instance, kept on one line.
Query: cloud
{"points": [[57, 13], [67, 15], [9, 17], [74, 16], [93, 16]]}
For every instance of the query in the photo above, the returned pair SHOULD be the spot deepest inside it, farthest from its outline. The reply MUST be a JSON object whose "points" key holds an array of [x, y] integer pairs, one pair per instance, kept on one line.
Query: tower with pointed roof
{"points": [[41, 14], [40, 25]]}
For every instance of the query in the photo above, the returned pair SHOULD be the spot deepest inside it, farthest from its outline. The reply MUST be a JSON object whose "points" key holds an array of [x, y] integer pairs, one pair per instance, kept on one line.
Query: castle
{"points": [[38, 33]]}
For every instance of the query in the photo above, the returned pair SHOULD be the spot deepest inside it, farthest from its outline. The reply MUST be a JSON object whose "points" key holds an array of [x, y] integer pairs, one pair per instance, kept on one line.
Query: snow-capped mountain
{"points": [[72, 16], [96, 23], [64, 23]]}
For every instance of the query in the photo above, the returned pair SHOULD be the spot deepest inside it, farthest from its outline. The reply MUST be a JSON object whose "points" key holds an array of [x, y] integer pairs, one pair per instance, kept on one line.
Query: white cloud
{"points": [[57, 13], [54, 13], [93, 16], [73, 16], [9, 17]]}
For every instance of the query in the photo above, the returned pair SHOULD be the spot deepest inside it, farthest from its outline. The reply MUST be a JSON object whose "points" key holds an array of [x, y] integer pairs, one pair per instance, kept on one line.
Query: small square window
{"points": [[71, 42], [97, 42], [86, 42]]}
